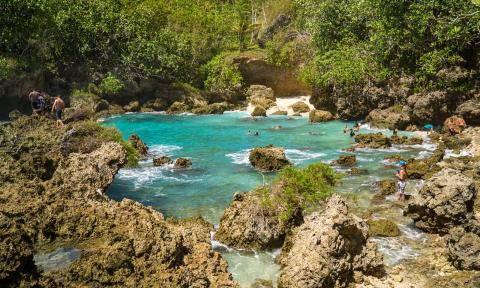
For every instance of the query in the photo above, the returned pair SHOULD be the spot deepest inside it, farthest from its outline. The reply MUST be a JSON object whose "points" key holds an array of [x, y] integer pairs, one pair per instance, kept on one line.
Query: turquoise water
{"points": [[218, 147]]}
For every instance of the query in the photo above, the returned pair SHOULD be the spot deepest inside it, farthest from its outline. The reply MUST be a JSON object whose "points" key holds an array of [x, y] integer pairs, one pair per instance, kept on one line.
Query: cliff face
{"points": [[50, 201]]}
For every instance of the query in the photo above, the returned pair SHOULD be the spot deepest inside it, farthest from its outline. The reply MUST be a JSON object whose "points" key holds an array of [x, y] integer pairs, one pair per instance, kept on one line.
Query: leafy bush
{"points": [[299, 188], [83, 99], [221, 75], [111, 85], [6, 68]]}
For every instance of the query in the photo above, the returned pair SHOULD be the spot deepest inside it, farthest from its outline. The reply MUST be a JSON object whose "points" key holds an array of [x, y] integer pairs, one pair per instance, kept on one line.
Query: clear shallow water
{"points": [[218, 146], [56, 260]]}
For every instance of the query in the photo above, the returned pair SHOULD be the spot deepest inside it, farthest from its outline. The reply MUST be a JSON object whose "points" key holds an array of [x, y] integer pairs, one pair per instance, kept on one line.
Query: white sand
{"points": [[283, 104]]}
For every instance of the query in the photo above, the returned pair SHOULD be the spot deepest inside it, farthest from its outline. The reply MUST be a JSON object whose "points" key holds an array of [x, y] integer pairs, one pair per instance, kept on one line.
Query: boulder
{"points": [[262, 96], [280, 112], [328, 249], [246, 224], [424, 168], [463, 249], [374, 141], [268, 158], [470, 111], [101, 105], [138, 144], [215, 108], [133, 106], [259, 112], [182, 163], [157, 104], [382, 228], [300, 107], [445, 200], [162, 160], [357, 171], [346, 160], [178, 107], [390, 118], [318, 116], [404, 140], [429, 107]]}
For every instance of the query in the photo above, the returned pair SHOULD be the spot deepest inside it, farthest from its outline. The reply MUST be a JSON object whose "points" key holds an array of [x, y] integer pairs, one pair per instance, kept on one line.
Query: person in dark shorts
{"points": [[57, 107], [37, 101]]}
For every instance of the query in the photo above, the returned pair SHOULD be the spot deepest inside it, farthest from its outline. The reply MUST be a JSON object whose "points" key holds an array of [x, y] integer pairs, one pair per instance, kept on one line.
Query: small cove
{"points": [[218, 146]]}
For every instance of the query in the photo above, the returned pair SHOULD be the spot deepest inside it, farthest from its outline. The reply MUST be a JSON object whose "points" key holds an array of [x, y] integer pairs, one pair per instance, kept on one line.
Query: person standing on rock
{"points": [[58, 107], [37, 102], [402, 180]]}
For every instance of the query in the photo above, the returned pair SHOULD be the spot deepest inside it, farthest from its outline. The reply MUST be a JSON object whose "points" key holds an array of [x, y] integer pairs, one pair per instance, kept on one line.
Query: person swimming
{"points": [[352, 133], [345, 130], [256, 133]]}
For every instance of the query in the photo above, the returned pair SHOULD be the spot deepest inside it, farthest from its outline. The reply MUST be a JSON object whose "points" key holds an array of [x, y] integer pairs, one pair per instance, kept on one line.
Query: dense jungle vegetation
{"points": [[335, 42]]}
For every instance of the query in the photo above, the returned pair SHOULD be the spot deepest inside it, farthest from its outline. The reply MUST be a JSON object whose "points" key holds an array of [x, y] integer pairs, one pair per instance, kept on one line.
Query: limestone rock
{"points": [[374, 141], [464, 249], [268, 158], [101, 105], [133, 106], [259, 112], [300, 107], [178, 107], [280, 112], [157, 104], [404, 140], [382, 228], [431, 107], [385, 188], [445, 200], [318, 116], [138, 144], [214, 108], [182, 163], [470, 111], [346, 160], [327, 249], [162, 160], [245, 224], [261, 96], [390, 118]]}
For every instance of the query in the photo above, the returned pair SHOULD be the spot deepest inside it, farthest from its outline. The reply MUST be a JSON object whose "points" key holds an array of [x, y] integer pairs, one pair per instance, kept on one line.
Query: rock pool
{"points": [[218, 147]]}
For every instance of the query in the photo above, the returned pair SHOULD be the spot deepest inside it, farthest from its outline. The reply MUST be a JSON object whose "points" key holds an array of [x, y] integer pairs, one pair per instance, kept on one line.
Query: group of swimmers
{"points": [[37, 101], [356, 128], [254, 133]]}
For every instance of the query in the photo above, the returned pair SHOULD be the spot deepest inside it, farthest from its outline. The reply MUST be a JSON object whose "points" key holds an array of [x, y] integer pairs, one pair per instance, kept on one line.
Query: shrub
{"points": [[111, 85], [6, 68], [299, 188], [83, 99], [221, 75]]}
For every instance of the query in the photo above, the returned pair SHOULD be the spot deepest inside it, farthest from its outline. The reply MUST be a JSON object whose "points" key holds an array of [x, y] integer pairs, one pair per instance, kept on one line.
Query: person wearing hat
{"points": [[402, 179]]}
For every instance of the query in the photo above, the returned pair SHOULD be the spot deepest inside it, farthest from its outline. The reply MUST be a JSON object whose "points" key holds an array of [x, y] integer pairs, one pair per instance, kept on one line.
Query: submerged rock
{"points": [[268, 158], [182, 163], [259, 112], [445, 200], [138, 144], [162, 160], [318, 116], [374, 141], [300, 107], [382, 228], [345, 160], [328, 248]]}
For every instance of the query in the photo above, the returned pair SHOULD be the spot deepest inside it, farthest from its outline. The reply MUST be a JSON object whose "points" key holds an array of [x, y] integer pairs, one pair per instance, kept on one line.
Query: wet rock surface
{"points": [[138, 144], [382, 228], [259, 112], [182, 163], [446, 200], [345, 160], [268, 158], [122, 243], [328, 248], [374, 141], [161, 161]]}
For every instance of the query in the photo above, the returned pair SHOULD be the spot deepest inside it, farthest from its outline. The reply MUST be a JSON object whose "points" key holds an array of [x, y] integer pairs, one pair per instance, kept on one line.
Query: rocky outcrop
{"points": [[390, 118], [214, 108], [300, 107], [259, 112], [318, 116], [382, 228], [246, 224], [261, 96], [424, 168], [161, 161], [328, 248], [345, 160], [470, 111], [430, 107], [178, 107], [280, 112], [268, 158], [404, 140], [182, 163], [383, 189], [133, 106], [374, 141], [464, 248], [138, 144], [445, 200]]}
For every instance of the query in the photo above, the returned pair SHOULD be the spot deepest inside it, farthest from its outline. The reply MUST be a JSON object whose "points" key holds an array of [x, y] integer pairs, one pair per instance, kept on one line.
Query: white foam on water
{"points": [[298, 156], [394, 250], [160, 149], [392, 149], [147, 175], [424, 154], [364, 159], [240, 158], [411, 232], [451, 154], [369, 127]]}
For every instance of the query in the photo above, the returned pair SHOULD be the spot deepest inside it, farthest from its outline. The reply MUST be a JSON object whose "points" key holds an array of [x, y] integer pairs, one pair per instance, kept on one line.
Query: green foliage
{"points": [[111, 85], [83, 99], [108, 134], [7, 67], [299, 188], [283, 53], [221, 74]]}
